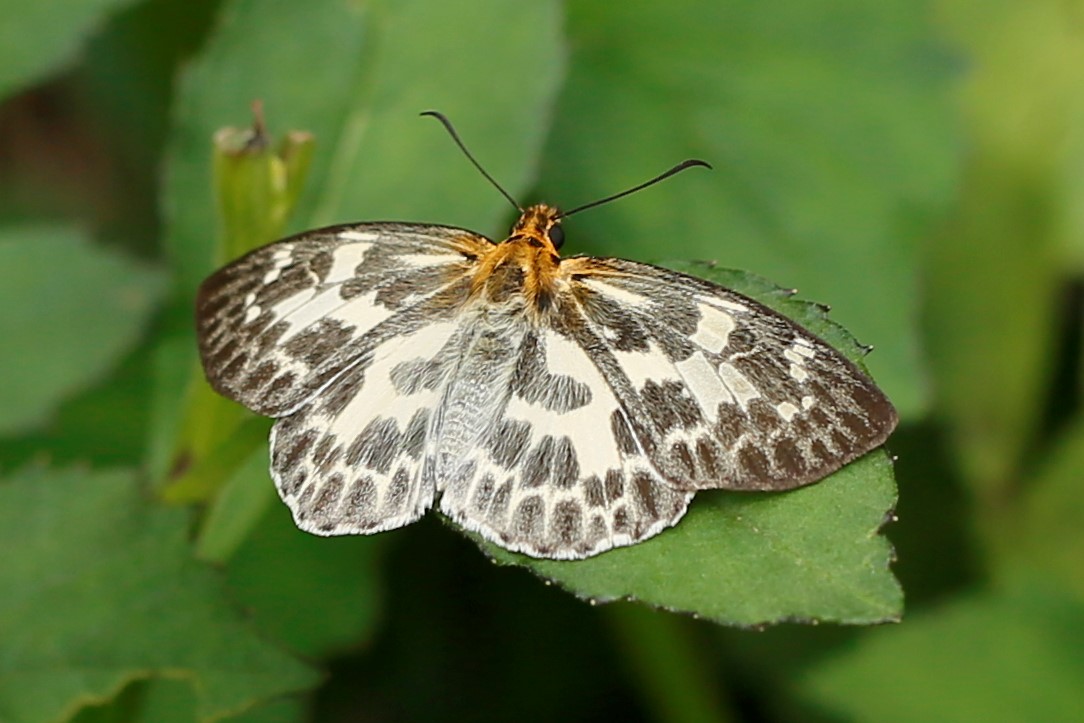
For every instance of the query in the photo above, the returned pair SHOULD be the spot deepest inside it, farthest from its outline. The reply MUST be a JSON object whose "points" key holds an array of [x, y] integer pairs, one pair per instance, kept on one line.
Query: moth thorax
{"points": [[505, 282]]}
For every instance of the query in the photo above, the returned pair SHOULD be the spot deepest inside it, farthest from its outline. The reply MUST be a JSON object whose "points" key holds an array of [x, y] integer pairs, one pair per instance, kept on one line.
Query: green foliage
{"points": [[39, 37], [915, 165], [90, 311], [994, 657], [104, 591]]}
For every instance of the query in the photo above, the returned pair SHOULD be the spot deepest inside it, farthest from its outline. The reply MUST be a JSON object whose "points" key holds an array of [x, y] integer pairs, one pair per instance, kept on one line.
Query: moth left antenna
{"points": [[462, 146]]}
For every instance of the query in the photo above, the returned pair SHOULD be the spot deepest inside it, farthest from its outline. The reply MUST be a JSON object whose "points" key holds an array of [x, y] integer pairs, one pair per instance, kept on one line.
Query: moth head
{"points": [[540, 225]]}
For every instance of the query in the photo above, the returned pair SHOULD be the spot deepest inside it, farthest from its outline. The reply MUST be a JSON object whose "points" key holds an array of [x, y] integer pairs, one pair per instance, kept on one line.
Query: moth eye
{"points": [[557, 236]]}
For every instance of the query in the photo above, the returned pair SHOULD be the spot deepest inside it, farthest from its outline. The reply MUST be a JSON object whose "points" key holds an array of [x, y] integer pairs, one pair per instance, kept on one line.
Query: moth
{"points": [[557, 406]]}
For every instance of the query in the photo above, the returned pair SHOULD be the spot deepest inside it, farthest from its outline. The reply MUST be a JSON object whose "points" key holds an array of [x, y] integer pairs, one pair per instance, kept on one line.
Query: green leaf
{"points": [[244, 497], [990, 657], [164, 700], [106, 423], [37, 38], [828, 130], [750, 559], [103, 591], [72, 310], [494, 73], [1043, 531], [320, 596]]}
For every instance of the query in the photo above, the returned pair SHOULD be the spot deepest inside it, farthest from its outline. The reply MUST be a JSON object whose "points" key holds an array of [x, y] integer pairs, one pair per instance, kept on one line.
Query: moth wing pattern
{"points": [[404, 362], [277, 325], [554, 471], [727, 393], [349, 460]]}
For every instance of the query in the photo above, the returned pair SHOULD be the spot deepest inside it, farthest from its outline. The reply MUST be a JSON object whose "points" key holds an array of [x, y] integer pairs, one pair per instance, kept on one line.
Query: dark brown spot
{"points": [[281, 385], [788, 460], [406, 284], [819, 452], [224, 353], [763, 417], [299, 447], [259, 376], [622, 331], [626, 443], [676, 347], [645, 493], [501, 499], [323, 507], [566, 468], [291, 281], [534, 383], [398, 492], [539, 463], [414, 376], [818, 417], [361, 502], [302, 504], [529, 519], [840, 442], [291, 481], [269, 339], [706, 452], [483, 494], [353, 288], [615, 485], [740, 341], [596, 530], [592, 492], [323, 449], [753, 464], [680, 451], [567, 526], [414, 437], [321, 264], [855, 425], [509, 441], [376, 446], [670, 406], [335, 398], [621, 521], [319, 341]]}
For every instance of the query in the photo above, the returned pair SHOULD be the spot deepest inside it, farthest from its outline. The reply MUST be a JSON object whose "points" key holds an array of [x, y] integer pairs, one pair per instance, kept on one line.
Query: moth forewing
{"points": [[737, 395]]}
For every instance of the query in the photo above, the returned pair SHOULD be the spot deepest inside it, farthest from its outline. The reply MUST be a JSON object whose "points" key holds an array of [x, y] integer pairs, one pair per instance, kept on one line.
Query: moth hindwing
{"points": [[558, 407]]}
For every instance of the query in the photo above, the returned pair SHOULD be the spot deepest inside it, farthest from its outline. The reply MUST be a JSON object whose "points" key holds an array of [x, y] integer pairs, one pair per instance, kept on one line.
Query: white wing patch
{"points": [[713, 329], [706, 385]]}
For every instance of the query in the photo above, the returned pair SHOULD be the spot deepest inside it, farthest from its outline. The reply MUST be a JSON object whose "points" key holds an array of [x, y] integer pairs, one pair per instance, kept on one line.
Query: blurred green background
{"points": [[917, 165]]}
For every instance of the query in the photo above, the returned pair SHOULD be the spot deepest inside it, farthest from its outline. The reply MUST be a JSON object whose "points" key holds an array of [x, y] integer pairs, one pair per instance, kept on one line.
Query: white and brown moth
{"points": [[559, 407]]}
